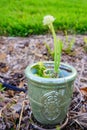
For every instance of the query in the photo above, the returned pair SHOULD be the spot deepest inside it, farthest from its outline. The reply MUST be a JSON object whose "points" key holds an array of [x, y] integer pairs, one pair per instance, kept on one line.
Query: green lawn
{"points": [[23, 17]]}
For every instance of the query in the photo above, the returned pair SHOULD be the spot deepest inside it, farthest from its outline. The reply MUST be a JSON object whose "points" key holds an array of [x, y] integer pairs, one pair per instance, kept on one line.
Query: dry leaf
{"points": [[11, 93], [3, 67], [11, 48], [15, 115], [21, 84], [84, 91], [2, 56]]}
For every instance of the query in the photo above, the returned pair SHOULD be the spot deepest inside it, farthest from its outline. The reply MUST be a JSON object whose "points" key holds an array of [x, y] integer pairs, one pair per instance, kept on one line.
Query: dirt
{"points": [[15, 54]]}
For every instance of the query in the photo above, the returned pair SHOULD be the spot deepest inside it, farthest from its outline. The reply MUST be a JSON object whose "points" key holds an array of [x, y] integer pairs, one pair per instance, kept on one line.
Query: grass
{"points": [[24, 17]]}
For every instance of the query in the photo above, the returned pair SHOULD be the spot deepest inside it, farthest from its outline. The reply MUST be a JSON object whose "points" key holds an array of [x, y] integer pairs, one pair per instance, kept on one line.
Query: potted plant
{"points": [[50, 84]]}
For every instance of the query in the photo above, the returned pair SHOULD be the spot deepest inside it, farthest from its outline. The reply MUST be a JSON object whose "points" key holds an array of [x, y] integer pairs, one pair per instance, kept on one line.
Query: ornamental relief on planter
{"points": [[52, 104]]}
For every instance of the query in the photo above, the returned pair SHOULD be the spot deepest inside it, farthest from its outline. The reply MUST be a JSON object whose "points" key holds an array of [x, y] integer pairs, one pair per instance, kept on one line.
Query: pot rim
{"points": [[50, 81]]}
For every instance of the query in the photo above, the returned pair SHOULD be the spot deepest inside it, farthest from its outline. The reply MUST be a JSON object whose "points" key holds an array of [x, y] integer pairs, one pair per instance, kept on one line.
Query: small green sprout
{"points": [[50, 52], [1, 87], [58, 128], [69, 44], [85, 40], [85, 46]]}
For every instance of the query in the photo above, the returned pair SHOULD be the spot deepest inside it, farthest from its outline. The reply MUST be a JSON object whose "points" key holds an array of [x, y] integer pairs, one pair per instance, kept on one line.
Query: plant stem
{"points": [[55, 48]]}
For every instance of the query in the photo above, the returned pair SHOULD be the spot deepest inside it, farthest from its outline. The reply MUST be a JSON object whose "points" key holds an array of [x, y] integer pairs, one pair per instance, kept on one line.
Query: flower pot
{"points": [[50, 97]]}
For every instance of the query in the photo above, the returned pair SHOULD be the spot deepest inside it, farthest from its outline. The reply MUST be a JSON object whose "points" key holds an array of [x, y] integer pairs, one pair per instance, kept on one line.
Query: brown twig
{"points": [[81, 96], [21, 114], [65, 123]]}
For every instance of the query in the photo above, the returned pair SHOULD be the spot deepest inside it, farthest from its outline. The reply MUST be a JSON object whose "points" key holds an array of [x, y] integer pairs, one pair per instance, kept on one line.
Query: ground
{"points": [[15, 54]]}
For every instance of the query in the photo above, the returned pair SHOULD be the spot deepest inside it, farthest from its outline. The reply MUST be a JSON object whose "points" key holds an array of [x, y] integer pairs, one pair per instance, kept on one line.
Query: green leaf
{"points": [[1, 87], [40, 69], [58, 128]]}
